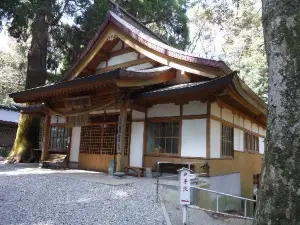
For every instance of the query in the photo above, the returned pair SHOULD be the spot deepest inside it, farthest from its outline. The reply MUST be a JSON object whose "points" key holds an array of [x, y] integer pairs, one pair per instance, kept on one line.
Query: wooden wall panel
{"points": [[97, 162], [246, 163], [94, 162]]}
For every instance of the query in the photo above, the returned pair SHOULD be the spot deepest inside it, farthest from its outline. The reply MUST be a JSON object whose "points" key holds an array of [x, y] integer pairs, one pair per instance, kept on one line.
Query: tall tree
{"points": [[279, 195], [32, 19], [232, 31]]}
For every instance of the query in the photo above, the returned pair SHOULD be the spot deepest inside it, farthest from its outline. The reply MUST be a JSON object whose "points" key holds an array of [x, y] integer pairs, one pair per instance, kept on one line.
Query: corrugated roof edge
{"points": [[9, 108]]}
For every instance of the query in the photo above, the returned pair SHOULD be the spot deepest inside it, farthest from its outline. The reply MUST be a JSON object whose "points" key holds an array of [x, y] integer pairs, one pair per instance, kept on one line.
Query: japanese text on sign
{"points": [[185, 187]]}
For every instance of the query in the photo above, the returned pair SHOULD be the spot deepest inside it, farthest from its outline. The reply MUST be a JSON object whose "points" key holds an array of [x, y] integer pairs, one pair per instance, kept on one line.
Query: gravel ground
{"points": [[42, 198], [195, 216]]}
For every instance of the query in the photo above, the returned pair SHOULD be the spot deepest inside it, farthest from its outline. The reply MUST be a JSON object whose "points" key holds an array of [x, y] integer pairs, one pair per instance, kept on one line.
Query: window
{"points": [[163, 137], [59, 138], [251, 142], [227, 141]]}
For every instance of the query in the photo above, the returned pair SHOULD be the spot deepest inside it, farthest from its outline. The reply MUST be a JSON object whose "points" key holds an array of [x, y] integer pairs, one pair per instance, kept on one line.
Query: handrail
{"points": [[221, 193]]}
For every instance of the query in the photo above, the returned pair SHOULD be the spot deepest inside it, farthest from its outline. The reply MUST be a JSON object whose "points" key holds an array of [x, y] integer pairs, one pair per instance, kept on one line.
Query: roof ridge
{"points": [[116, 5]]}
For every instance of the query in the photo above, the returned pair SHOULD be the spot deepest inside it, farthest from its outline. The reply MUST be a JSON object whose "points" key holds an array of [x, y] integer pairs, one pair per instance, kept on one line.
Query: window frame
{"points": [[253, 144], [162, 120], [221, 141], [67, 132]]}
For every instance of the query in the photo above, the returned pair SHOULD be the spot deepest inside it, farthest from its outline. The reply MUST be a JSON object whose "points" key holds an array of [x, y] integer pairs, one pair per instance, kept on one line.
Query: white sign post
{"points": [[185, 194]]}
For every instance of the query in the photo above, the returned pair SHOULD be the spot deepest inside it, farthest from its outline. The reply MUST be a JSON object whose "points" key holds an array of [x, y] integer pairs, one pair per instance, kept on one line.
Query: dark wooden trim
{"points": [[125, 65], [172, 156], [46, 136], [208, 131], [235, 126]]}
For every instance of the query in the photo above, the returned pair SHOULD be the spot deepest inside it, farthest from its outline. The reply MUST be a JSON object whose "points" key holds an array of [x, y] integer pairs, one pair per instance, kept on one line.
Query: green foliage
{"points": [[12, 72], [232, 31], [166, 18]]}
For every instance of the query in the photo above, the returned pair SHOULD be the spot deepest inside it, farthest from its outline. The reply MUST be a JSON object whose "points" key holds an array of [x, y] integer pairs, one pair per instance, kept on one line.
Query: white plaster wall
{"points": [[247, 124], [58, 119], [193, 136], [238, 120], [255, 127], [141, 66], [238, 140], [215, 139], [117, 47], [215, 110], [101, 65], [227, 115], [262, 131], [229, 184], [122, 58], [136, 115], [136, 144], [75, 144], [194, 108], [261, 145], [163, 110]]}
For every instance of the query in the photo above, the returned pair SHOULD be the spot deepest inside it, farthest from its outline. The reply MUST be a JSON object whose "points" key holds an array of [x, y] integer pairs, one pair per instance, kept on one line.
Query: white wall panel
{"points": [[215, 139], [122, 58], [193, 138], [163, 110], [247, 124], [141, 66], [215, 110], [194, 108], [261, 145], [255, 127], [227, 115], [238, 140], [137, 144], [75, 144], [58, 119]]}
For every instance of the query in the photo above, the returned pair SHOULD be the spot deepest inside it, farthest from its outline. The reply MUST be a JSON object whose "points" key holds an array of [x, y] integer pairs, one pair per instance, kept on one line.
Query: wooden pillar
{"points": [[46, 136], [121, 136]]}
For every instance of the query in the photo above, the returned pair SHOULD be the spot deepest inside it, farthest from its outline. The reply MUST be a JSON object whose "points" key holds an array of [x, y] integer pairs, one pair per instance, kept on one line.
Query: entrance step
{"points": [[55, 161]]}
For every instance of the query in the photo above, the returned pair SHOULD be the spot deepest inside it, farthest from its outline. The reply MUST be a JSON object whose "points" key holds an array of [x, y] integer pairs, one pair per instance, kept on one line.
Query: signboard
{"points": [[185, 186]]}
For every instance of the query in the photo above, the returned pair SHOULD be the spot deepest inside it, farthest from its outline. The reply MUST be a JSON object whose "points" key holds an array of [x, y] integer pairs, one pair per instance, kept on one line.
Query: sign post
{"points": [[185, 194]]}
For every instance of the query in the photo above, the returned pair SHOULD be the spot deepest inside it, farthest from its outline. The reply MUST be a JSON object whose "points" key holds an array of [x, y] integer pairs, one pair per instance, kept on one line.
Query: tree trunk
{"points": [[279, 195], [28, 131]]}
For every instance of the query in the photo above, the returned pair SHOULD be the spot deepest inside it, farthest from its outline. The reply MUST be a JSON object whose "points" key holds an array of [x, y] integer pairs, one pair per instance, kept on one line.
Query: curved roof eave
{"points": [[149, 42]]}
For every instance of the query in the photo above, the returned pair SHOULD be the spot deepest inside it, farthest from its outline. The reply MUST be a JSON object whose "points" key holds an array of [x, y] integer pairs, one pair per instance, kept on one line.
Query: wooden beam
{"points": [[121, 135], [46, 136], [137, 107], [125, 65]]}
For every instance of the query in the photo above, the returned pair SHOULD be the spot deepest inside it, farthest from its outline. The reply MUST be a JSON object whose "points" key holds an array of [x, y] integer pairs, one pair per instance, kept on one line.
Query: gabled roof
{"points": [[128, 25]]}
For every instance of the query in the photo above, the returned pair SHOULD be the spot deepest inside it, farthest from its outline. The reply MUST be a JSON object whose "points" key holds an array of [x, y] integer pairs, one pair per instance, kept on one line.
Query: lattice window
{"points": [[59, 138], [227, 141], [101, 139], [251, 142], [163, 137]]}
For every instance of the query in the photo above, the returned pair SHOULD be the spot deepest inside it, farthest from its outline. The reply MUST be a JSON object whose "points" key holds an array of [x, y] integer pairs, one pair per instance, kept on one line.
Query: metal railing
{"points": [[218, 194]]}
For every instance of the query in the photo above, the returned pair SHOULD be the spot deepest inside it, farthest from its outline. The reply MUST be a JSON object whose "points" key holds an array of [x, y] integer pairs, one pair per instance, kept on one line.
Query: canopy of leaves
{"points": [[166, 18], [232, 31], [12, 72]]}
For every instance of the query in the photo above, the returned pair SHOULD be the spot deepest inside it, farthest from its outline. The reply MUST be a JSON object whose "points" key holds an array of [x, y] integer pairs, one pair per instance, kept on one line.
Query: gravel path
{"points": [[38, 198]]}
